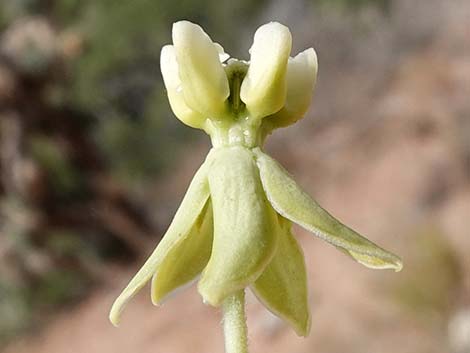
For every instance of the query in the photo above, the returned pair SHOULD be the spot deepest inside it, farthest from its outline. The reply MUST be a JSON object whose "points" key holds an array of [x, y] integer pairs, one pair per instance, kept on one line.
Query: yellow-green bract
{"points": [[233, 227]]}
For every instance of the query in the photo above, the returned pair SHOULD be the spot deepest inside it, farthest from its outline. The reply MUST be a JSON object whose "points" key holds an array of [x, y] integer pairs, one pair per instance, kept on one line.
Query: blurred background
{"points": [[93, 165]]}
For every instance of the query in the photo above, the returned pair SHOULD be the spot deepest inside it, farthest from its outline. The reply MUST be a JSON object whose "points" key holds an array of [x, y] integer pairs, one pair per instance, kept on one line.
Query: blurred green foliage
{"points": [[15, 312], [26, 300], [354, 5], [61, 174]]}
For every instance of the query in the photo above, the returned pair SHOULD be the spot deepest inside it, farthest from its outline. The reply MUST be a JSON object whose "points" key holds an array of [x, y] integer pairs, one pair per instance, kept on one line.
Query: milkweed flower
{"points": [[233, 227]]}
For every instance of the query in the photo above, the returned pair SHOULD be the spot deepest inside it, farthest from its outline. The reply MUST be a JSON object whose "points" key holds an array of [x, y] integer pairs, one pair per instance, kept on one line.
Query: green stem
{"points": [[234, 322]]}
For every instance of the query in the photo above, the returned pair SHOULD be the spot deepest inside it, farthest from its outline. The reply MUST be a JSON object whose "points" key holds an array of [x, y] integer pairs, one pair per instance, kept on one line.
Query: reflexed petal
{"points": [[264, 88], [169, 68], [301, 77], [203, 79], [186, 259], [371, 261], [245, 236], [293, 203], [187, 214], [282, 287]]}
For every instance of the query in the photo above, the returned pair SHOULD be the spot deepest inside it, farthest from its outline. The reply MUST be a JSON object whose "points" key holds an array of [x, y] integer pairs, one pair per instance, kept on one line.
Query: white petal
{"points": [[191, 207], [185, 260], [171, 78], [282, 287], [290, 201], [203, 79], [301, 78], [264, 88], [245, 236]]}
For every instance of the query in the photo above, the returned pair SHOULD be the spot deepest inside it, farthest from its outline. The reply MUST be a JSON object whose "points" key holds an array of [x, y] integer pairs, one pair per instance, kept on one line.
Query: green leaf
{"points": [[186, 259], [191, 207], [245, 236], [293, 203], [282, 287]]}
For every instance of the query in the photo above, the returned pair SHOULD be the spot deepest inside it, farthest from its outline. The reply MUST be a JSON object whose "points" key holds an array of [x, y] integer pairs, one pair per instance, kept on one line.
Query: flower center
{"points": [[236, 126], [236, 72]]}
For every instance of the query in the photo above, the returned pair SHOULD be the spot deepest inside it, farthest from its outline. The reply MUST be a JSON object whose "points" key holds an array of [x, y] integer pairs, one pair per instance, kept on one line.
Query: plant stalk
{"points": [[234, 323]]}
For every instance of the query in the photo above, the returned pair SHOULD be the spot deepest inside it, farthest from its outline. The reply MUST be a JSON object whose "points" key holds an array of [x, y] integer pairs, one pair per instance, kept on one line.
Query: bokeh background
{"points": [[93, 165]]}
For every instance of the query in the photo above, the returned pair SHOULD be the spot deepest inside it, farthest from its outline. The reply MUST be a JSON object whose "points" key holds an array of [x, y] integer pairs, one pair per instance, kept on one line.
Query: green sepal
{"points": [[192, 205], [245, 237], [186, 259], [282, 287], [289, 200]]}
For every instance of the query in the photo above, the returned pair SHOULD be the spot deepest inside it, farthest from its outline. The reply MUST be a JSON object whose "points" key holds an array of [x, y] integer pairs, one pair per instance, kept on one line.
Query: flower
{"points": [[233, 227]]}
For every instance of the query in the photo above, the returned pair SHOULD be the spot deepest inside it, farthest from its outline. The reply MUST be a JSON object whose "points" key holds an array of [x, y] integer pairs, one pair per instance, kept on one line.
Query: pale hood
{"points": [[275, 86]]}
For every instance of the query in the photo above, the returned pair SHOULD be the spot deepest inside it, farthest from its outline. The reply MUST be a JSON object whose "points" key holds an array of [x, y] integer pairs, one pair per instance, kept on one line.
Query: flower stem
{"points": [[234, 322]]}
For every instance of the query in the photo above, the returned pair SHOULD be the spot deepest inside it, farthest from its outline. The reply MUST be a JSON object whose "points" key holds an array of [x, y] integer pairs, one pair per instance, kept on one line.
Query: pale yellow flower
{"points": [[233, 227]]}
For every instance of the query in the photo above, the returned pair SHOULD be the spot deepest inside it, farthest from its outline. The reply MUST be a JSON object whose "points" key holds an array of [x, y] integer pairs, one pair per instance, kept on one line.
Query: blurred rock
{"points": [[30, 44], [459, 331]]}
